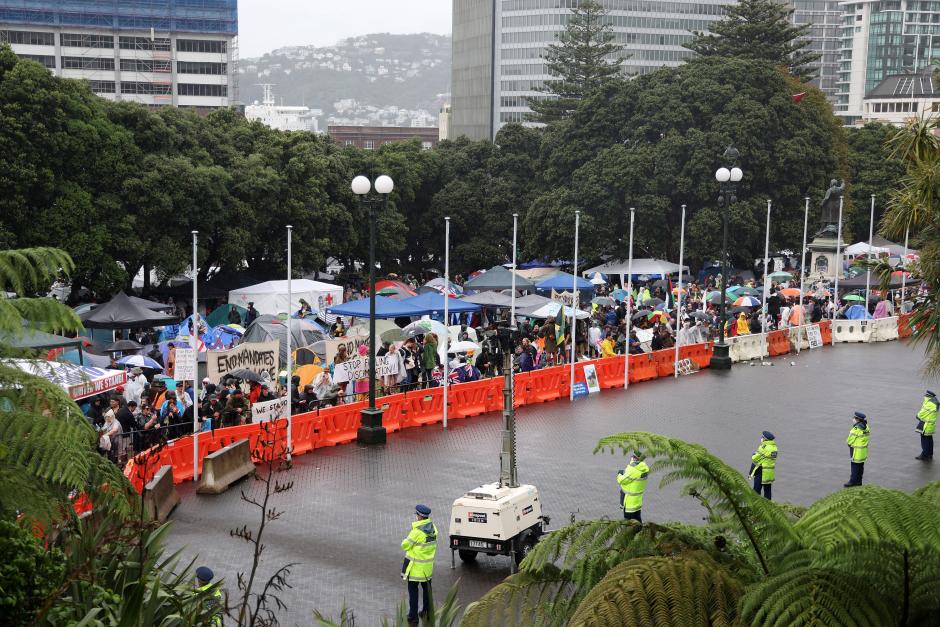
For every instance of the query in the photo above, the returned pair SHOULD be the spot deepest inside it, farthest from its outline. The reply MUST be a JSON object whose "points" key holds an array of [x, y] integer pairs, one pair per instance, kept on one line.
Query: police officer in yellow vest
{"points": [[858, 440], [927, 425], [632, 485], [763, 464], [204, 577], [420, 547]]}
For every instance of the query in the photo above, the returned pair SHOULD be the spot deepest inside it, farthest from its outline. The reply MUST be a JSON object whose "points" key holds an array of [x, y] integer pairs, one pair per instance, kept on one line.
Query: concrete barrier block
{"points": [[851, 330], [884, 329], [224, 467], [160, 496]]}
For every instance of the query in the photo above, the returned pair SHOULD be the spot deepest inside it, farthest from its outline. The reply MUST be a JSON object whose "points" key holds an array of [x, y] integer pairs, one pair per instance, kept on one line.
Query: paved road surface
{"points": [[351, 506]]}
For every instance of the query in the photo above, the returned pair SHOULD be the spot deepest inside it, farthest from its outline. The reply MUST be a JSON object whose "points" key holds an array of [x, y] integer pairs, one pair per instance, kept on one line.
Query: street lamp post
{"points": [[371, 430], [728, 178]]}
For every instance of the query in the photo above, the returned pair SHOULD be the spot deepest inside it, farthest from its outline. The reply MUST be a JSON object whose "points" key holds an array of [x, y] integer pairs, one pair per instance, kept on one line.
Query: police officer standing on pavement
{"points": [[420, 547], [763, 464], [204, 577], [927, 425], [858, 440], [632, 485]]}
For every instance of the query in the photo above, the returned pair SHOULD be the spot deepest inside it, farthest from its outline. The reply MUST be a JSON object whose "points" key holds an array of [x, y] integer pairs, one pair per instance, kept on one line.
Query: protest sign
{"points": [[185, 364], [590, 377], [260, 357], [352, 344], [358, 368], [814, 336], [269, 410], [565, 298]]}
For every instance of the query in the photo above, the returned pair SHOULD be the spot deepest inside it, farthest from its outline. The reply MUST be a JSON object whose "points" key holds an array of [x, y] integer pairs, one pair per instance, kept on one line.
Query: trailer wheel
{"points": [[524, 547], [467, 556]]}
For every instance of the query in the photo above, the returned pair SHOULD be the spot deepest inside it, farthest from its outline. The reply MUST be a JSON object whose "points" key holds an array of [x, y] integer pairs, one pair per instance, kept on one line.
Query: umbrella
{"points": [[747, 301], [597, 279], [463, 347], [662, 315], [123, 346], [747, 291], [713, 297], [820, 294], [140, 361], [652, 302], [854, 297], [740, 309], [700, 315], [246, 375], [606, 301], [791, 291], [392, 335], [780, 276], [640, 314], [420, 327], [618, 294], [661, 307]]}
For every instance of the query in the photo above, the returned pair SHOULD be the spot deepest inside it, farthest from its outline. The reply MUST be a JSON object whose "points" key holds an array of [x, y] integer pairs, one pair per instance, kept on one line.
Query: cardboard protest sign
{"points": [[260, 357]]}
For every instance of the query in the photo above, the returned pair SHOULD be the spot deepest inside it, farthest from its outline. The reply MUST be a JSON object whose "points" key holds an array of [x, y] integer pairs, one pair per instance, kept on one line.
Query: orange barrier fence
{"points": [[470, 399], [825, 331], [778, 343], [339, 425], [547, 384], [642, 368], [424, 407], [393, 411]]}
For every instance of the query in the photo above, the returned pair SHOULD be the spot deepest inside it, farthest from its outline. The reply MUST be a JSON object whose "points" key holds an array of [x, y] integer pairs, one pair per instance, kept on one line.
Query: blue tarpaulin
{"points": [[384, 308], [563, 282], [433, 302], [857, 312]]}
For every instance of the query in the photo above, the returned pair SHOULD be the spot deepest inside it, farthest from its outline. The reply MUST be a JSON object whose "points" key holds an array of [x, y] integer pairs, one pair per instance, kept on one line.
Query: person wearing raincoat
{"points": [[743, 328]]}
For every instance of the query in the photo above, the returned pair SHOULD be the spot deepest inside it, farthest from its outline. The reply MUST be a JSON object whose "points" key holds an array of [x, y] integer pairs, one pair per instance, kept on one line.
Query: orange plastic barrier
{"points": [[665, 361], [304, 434], [469, 399], [340, 424], [424, 407], [825, 330], [904, 325], [642, 368], [699, 354], [609, 371], [522, 381], [494, 399], [778, 343], [393, 411], [547, 384]]}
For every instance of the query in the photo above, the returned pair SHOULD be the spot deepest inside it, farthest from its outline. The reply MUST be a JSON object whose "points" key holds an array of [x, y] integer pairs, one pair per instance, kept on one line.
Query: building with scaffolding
{"points": [[156, 52]]}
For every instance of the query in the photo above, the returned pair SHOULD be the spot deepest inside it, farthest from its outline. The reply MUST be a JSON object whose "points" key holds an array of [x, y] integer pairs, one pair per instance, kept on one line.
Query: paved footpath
{"points": [[351, 505]]}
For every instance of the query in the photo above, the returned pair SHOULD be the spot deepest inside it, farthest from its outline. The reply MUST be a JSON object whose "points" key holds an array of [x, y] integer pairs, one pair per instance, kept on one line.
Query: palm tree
{"points": [[867, 556], [47, 447]]}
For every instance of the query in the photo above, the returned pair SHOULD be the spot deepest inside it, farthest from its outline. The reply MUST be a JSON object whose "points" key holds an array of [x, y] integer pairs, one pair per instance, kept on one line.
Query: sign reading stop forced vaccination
{"points": [[269, 410], [260, 357], [185, 364], [358, 368]]}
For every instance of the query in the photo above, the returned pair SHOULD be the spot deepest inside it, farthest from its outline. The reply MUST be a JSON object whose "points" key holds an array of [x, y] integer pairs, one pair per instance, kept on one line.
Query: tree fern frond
{"points": [[44, 314], [32, 268], [522, 599], [929, 492], [814, 596], [691, 589]]}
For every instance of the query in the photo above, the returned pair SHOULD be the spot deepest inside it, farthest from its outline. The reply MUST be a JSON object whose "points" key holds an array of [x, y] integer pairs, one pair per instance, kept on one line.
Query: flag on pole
{"points": [[798, 97], [560, 324]]}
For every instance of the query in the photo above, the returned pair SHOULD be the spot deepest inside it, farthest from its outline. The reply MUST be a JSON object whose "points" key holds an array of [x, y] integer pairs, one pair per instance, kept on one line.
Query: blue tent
{"points": [[857, 312], [433, 302], [563, 282], [384, 308]]}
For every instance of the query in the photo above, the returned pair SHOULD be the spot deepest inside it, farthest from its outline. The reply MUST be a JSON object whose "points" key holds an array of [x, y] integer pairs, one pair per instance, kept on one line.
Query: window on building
{"points": [[369, 144], [201, 45], [47, 60], [78, 40], [348, 142], [146, 89], [197, 89], [87, 63], [201, 67], [145, 65], [144, 43], [102, 87], [32, 38]]}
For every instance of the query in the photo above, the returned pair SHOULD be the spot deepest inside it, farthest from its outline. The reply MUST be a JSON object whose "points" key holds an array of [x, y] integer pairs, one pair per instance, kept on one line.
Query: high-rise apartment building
{"points": [[155, 52], [825, 38], [882, 38], [498, 47]]}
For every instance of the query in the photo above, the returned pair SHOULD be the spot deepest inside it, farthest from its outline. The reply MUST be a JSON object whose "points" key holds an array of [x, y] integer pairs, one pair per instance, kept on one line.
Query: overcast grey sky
{"points": [[264, 25]]}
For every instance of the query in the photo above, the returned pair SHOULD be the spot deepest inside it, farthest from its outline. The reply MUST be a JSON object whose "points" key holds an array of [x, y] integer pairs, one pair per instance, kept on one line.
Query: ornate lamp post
{"points": [[371, 430], [728, 178]]}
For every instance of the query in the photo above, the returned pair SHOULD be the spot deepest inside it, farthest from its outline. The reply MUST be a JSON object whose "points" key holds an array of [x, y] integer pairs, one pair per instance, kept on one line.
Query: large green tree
{"points": [[761, 30], [872, 170], [582, 60]]}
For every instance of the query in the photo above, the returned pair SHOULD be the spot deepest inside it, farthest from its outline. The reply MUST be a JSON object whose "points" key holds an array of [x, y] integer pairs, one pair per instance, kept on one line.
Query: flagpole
{"points": [[289, 356], [574, 303], [194, 340], [512, 311], [763, 296], [626, 344], [678, 295], [907, 232], [838, 262], [802, 264], [446, 312], [871, 236]]}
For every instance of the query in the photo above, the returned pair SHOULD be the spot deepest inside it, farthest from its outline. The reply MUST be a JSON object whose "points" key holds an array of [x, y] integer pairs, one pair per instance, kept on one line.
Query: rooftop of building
{"points": [[923, 84]]}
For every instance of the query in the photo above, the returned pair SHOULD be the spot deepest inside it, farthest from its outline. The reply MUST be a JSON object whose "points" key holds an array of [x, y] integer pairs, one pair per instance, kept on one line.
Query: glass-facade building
{"points": [[499, 45], [156, 52], [824, 37]]}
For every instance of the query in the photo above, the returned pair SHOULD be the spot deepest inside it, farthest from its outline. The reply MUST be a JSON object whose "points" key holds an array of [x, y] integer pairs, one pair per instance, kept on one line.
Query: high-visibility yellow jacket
{"points": [[928, 416], [633, 483], [766, 459], [420, 547], [215, 603], [858, 443]]}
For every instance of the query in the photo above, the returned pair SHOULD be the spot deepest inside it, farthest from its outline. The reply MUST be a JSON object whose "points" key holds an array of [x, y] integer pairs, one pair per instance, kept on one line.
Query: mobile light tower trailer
{"points": [[502, 518]]}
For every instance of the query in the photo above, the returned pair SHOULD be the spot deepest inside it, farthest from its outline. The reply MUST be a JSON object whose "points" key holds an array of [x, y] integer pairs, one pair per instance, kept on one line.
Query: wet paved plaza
{"points": [[351, 506]]}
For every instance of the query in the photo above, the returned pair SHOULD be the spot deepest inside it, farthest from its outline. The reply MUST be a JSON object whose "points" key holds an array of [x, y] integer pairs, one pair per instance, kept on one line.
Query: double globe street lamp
{"points": [[728, 178], [371, 430]]}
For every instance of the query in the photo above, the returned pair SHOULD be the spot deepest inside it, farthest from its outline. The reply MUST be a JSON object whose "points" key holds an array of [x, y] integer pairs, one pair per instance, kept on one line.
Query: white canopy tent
{"points": [[270, 297], [652, 267], [861, 248]]}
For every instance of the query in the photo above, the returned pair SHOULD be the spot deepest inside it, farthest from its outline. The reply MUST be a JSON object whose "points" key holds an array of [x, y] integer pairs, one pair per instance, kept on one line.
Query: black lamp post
{"points": [[728, 178], [371, 430]]}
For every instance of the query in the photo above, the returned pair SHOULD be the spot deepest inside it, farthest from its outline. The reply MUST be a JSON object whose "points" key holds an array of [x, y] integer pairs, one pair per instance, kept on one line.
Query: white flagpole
{"points": [[626, 343], [907, 232], [838, 262], [289, 356], [574, 303], [678, 295], [802, 265], [871, 235], [194, 340], [446, 313], [763, 296]]}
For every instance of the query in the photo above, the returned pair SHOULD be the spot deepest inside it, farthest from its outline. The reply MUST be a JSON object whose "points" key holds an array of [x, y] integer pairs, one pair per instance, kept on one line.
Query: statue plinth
{"points": [[824, 263]]}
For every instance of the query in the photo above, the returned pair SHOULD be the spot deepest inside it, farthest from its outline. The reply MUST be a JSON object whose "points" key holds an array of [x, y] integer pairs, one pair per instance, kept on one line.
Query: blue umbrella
{"points": [[618, 294], [857, 312]]}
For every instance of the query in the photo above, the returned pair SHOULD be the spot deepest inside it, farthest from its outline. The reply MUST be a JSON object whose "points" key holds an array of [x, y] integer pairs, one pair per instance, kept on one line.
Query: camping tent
{"points": [[651, 267], [497, 278], [268, 329], [861, 248], [562, 282], [123, 313], [270, 297]]}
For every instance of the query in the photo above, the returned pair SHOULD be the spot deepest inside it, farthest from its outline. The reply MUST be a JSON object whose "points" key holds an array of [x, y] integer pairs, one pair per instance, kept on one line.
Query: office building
{"points": [[498, 47], [155, 52], [825, 39], [372, 137], [880, 39], [901, 97]]}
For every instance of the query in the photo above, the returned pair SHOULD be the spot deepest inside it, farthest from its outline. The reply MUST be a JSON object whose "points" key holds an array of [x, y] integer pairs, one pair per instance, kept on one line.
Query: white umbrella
{"points": [[140, 361], [597, 279], [464, 347], [550, 310], [455, 333], [425, 326]]}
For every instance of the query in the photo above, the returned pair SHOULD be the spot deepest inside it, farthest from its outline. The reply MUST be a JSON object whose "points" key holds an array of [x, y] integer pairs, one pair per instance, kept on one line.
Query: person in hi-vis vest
{"points": [[632, 483], [420, 547]]}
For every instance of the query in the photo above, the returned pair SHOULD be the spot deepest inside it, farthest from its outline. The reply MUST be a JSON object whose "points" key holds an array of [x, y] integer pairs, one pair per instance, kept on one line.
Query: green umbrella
{"points": [[780, 276], [854, 297]]}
